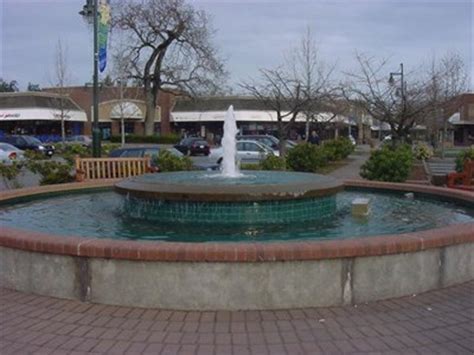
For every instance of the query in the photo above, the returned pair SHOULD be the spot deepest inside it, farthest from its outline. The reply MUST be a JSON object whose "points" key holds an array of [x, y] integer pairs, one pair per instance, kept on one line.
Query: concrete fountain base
{"points": [[236, 276]]}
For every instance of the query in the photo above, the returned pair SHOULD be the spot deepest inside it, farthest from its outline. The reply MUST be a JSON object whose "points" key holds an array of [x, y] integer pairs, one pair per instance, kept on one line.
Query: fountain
{"points": [[240, 240], [229, 166], [250, 198]]}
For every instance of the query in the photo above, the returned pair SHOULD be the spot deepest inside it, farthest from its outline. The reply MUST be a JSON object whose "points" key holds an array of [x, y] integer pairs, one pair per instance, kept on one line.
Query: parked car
{"points": [[248, 151], [139, 152], [29, 143], [193, 146], [270, 141], [10, 154], [85, 141]]}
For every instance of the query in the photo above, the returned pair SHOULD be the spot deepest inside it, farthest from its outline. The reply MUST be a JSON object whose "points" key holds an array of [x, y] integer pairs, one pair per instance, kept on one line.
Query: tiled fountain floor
{"points": [[438, 322]]}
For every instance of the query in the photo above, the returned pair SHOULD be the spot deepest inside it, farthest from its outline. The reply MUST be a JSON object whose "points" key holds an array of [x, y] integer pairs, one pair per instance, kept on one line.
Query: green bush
{"points": [[250, 166], [463, 155], [422, 151], [52, 172], [166, 161], [106, 148], [306, 157], [338, 149], [33, 155], [9, 174], [70, 151], [171, 138], [273, 162], [388, 164]]}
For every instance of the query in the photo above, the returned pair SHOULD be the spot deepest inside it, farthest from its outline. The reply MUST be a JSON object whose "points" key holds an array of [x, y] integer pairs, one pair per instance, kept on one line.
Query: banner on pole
{"points": [[103, 32]]}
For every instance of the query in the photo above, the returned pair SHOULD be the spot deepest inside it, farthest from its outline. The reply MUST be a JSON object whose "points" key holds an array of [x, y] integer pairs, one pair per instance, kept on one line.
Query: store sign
{"points": [[5, 115], [59, 116]]}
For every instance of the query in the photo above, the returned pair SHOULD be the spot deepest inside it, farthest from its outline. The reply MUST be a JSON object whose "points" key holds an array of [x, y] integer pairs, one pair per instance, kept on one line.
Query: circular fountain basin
{"points": [[256, 197], [202, 186], [233, 276]]}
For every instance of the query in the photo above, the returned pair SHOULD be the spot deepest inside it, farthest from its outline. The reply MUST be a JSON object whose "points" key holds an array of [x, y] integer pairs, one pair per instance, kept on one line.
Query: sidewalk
{"points": [[351, 170], [437, 322]]}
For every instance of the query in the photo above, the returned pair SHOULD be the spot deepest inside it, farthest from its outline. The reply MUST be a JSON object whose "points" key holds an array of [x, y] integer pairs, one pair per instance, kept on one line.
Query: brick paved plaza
{"points": [[438, 322]]}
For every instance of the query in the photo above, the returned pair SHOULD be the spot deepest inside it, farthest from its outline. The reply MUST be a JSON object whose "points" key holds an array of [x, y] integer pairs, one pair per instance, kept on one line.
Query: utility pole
{"points": [[89, 10]]}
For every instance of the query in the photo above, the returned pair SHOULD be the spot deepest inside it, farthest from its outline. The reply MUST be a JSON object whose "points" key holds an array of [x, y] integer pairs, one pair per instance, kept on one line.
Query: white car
{"points": [[247, 152], [10, 154]]}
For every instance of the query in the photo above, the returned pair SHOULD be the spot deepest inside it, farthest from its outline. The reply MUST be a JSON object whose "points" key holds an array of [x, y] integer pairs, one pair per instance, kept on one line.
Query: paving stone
{"points": [[440, 321]]}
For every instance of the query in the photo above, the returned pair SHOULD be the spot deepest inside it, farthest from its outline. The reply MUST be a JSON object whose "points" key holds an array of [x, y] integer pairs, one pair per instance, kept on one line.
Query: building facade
{"points": [[115, 105], [205, 117], [460, 116], [40, 114]]}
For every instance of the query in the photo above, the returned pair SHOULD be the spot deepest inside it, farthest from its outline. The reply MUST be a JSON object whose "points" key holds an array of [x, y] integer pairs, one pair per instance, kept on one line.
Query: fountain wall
{"points": [[238, 275]]}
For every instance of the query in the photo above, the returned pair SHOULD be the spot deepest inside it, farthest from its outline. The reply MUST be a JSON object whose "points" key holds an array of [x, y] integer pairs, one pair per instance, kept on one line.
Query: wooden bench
{"points": [[464, 178], [110, 168]]}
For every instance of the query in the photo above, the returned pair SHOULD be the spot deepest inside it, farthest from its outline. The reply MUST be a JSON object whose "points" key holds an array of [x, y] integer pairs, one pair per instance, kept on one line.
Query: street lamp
{"points": [[90, 13], [391, 81]]}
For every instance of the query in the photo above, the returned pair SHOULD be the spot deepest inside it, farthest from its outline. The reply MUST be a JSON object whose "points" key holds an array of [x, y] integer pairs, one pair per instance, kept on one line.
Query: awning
{"points": [[250, 116], [455, 120], [41, 114], [127, 110]]}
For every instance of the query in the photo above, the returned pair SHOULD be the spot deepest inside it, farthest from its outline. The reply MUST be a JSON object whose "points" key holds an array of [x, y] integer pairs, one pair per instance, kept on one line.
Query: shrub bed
{"points": [[306, 157], [465, 154], [388, 164], [338, 149], [166, 161]]}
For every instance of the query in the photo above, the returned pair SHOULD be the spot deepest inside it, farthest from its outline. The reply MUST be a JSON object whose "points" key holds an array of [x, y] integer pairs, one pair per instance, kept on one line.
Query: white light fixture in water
{"points": [[360, 207]]}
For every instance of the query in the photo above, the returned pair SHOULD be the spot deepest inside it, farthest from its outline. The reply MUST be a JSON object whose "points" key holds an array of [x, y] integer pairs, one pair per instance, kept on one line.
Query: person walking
{"points": [[314, 138]]}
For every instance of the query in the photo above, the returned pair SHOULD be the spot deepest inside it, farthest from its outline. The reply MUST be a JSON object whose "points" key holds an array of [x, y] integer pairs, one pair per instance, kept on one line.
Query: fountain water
{"points": [[229, 166]]}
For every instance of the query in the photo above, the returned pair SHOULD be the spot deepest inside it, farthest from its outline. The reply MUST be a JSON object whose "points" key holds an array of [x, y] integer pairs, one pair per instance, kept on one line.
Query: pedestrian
{"points": [[314, 138]]}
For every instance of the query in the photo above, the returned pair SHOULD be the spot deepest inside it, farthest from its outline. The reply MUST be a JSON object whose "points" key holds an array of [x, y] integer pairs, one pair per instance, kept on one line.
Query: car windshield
{"points": [[132, 153], [175, 152], [7, 147], [32, 140], [151, 152]]}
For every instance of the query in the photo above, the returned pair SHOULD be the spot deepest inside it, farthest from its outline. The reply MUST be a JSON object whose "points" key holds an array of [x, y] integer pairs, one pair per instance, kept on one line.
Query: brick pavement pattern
{"points": [[437, 322]]}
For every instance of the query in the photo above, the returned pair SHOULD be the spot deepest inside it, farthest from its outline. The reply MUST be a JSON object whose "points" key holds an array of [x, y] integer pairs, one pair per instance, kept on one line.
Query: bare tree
{"points": [[279, 92], [315, 75], [61, 77], [169, 43], [446, 80], [400, 106]]}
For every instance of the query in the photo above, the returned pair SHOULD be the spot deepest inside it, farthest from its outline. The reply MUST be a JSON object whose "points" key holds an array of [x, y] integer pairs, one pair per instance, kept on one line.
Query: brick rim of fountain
{"points": [[238, 252]]}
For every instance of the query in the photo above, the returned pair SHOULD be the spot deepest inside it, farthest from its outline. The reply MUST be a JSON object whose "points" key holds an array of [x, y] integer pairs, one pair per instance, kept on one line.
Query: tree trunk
{"points": [[282, 137], [63, 128], [150, 113]]}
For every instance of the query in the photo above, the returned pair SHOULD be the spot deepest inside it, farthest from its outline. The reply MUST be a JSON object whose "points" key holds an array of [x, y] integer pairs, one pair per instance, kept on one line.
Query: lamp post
{"points": [[391, 81], [90, 10]]}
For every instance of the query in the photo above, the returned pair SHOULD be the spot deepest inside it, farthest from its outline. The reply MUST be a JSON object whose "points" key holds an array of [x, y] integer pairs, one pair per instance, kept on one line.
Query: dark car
{"points": [[29, 143], [193, 146], [139, 152]]}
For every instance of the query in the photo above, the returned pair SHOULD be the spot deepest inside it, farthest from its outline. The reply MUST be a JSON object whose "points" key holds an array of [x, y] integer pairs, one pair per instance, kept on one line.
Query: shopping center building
{"points": [[39, 114], [205, 116]]}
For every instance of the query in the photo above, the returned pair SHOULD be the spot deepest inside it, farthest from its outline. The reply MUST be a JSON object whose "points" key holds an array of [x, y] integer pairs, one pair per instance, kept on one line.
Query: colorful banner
{"points": [[103, 32]]}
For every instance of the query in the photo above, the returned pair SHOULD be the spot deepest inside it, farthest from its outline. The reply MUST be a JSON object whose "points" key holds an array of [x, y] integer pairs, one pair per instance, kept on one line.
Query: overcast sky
{"points": [[252, 34]]}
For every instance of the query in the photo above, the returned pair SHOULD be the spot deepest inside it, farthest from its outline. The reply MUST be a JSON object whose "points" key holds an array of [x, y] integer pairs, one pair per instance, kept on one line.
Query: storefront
{"points": [[205, 118], [39, 114], [127, 114]]}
